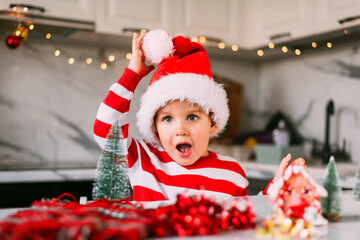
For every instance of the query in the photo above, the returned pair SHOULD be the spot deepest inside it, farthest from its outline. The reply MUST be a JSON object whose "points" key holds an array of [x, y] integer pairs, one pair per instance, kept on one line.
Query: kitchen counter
{"points": [[348, 227]]}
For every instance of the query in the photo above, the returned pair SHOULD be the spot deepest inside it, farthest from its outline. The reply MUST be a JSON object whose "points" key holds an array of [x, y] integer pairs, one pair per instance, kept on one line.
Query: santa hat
{"points": [[183, 74]]}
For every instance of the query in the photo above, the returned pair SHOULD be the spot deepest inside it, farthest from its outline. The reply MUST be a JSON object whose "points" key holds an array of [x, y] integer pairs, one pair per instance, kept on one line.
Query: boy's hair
{"points": [[183, 74]]}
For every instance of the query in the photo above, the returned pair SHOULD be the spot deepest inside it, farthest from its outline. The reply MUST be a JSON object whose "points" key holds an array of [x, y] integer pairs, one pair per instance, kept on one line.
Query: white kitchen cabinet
{"points": [[291, 19], [83, 10], [329, 12], [222, 20], [115, 16]]}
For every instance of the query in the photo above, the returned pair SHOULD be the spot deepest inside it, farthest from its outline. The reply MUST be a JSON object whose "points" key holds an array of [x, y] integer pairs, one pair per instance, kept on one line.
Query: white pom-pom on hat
{"points": [[157, 46]]}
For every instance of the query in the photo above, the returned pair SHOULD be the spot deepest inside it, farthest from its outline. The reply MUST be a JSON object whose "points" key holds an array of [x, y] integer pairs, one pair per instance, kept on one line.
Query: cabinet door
{"points": [[69, 9], [330, 11], [212, 18], [279, 17], [113, 16]]}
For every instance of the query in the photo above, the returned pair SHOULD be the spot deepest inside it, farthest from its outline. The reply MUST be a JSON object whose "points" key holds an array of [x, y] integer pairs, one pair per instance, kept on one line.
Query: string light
{"points": [[25, 9], [128, 56], [103, 65], [88, 61], [260, 52], [284, 49], [346, 31], [57, 53], [31, 26], [221, 45], [48, 36], [271, 45], [297, 52], [234, 48], [111, 58], [71, 60], [194, 39], [202, 39], [313, 44], [329, 45]]}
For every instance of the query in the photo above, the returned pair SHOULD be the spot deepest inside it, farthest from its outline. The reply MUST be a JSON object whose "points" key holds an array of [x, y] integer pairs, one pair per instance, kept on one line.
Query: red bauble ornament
{"points": [[13, 41]]}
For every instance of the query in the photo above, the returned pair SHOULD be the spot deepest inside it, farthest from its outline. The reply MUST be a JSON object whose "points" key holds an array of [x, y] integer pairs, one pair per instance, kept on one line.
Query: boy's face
{"points": [[184, 131]]}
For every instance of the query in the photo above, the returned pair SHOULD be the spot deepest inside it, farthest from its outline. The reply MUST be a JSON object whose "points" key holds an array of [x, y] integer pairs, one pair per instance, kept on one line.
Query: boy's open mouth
{"points": [[184, 149]]}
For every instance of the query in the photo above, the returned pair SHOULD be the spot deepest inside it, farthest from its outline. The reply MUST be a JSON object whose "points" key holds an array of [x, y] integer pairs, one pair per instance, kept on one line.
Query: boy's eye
{"points": [[192, 117], [167, 119]]}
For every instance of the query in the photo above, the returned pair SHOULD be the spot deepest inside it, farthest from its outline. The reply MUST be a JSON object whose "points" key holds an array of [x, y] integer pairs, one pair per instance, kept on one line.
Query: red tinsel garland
{"points": [[121, 219]]}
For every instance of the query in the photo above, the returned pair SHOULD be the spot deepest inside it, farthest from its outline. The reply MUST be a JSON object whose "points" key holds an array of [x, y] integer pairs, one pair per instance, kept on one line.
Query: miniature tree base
{"points": [[332, 217]]}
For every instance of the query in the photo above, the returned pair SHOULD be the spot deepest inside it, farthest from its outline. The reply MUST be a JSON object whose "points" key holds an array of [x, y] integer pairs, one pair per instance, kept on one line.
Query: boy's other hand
{"points": [[284, 163], [137, 61]]}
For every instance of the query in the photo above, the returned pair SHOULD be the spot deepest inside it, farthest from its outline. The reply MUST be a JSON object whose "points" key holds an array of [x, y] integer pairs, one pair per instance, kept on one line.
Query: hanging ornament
{"points": [[21, 32], [13, 41]]}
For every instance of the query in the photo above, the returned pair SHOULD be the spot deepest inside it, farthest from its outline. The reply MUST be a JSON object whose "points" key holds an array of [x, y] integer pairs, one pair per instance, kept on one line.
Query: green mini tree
{"points": [[111, 180], [330, 205], [357, 185]]}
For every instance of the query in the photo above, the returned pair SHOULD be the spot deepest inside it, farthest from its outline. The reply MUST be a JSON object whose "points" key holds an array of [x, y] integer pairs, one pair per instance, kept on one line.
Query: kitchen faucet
{"points": [[325, 151]]}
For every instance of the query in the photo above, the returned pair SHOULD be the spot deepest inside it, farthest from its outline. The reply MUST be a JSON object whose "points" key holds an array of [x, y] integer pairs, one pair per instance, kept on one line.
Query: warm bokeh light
{"points": [[103, 66], [143, 31], [31, 26], [57, 53], [297, 51], [346, 32], [194, 39], [221, 45], [128, 56], [260, 52], [271, 45], [88, 61], [48, 36], [329, 45], [313, 44], [234, 48], [71, 60], [111, 58], [202, 39], [284, 49]]}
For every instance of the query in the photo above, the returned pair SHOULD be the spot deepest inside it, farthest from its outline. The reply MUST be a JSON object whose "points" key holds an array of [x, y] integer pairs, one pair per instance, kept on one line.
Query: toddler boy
{"points": [[182, 108]]}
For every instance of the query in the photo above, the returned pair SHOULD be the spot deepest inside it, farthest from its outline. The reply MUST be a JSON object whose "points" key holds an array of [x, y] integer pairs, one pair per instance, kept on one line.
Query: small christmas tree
{"points": [[357, 185], [111, 179], [330, 205]]}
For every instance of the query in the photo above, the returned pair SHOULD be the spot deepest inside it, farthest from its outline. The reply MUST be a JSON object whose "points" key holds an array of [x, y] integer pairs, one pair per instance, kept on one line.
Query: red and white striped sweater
{"points": [[153, 174]]}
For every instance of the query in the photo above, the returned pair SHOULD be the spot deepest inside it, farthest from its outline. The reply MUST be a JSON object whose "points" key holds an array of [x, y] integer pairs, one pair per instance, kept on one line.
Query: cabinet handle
{"points": [[30, 7], [349, 19], [280, 35], [134, 29]]}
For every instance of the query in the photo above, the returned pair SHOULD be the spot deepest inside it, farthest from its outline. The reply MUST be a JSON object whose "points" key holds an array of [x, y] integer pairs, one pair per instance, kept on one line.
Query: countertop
{"points": [[348, 228]]}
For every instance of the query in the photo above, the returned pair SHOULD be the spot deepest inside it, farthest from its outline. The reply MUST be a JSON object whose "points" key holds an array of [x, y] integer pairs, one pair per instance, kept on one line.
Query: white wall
{"points": [[302, 86], [47, 107]]}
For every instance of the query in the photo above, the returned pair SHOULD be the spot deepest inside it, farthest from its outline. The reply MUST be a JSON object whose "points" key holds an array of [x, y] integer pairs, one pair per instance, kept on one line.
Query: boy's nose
{"points": [[181, 131]]}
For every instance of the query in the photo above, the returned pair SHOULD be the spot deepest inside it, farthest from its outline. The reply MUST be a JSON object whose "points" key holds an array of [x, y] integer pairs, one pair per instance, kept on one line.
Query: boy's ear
{"points": [[213, 128]]}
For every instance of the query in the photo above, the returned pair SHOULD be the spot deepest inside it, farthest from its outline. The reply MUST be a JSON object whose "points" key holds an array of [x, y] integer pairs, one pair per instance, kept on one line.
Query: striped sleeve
{"points": [[116, 107]]}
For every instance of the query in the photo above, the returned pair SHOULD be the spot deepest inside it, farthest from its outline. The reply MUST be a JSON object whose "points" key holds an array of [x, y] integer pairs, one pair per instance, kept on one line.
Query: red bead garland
{"points": [[121, 219]]}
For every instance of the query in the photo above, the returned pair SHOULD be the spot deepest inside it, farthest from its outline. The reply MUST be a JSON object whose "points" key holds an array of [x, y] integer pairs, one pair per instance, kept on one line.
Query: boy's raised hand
{"points": [[284, 163], [137, 61]]}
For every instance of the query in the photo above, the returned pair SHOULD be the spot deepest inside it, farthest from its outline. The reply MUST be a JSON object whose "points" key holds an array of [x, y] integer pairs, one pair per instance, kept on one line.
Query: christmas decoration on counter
{"points": [[60, 218], [357, 185], [111, 180], [199, 215], [331, 203], [297, 207]]}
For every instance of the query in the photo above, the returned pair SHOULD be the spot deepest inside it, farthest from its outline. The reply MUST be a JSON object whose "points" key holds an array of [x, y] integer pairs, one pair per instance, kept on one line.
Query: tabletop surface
{"points": [[348, 228]]}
